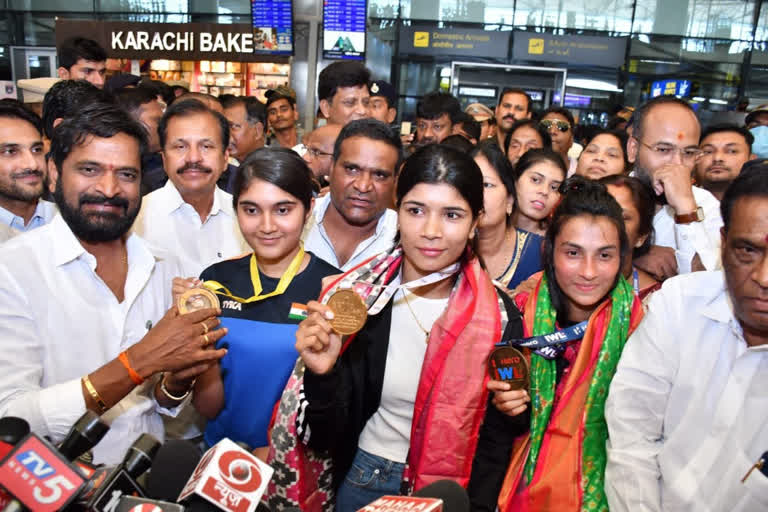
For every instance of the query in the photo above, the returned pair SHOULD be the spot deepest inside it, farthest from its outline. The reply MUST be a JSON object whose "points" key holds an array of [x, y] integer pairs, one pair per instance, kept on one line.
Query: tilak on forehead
{"points": [[680, 135]]}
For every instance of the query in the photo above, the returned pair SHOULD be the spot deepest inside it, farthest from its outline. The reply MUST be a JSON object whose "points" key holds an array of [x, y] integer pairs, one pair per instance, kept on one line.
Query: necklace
{"points": [[407, 303]]}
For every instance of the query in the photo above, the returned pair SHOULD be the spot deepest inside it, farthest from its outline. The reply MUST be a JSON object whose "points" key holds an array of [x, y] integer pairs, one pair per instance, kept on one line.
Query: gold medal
{"points": [[349, 312], [196, 299], [509, 365]]}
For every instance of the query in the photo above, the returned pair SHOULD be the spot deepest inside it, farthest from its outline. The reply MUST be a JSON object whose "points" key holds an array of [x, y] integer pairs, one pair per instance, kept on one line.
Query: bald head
{"points": [[319, 143], [209, 101]]}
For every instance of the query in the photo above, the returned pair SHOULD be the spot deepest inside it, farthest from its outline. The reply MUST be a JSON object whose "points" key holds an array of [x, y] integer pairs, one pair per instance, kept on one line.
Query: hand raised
{"points": [[316, 342]]}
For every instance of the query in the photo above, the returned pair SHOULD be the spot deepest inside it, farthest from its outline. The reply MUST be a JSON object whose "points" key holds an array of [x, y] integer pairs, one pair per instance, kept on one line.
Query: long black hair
{"points": [[490, 150], [645, 204], [582, 197]]}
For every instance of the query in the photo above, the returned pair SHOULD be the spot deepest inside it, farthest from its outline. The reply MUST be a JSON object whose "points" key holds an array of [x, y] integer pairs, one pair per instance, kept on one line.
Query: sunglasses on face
{"points": [[561, 125]]}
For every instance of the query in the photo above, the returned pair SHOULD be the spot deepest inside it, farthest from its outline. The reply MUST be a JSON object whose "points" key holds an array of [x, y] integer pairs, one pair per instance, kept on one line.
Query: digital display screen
{"points": [[272, 26], [344, 29]]}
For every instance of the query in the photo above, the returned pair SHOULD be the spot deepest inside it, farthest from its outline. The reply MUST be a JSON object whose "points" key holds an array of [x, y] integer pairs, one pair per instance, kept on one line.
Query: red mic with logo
{"points": [[38, 476], [229, 477], [439, 496]]}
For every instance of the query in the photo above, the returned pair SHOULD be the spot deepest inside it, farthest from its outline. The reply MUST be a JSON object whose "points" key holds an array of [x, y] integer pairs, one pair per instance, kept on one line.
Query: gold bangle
{"points": [[169, 395], [94, 394]]}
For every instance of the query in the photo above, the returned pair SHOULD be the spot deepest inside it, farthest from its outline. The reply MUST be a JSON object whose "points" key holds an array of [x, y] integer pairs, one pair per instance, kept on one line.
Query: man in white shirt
{"points": [[83, 321], [352, 222], [22, 170], [664, 147], [687, 410], [190, 217]]}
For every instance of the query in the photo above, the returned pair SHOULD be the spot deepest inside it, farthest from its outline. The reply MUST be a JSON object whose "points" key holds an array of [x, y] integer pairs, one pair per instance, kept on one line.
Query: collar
{"points": [[171, 200], [69, 248], [323, 203], [43, 212]]}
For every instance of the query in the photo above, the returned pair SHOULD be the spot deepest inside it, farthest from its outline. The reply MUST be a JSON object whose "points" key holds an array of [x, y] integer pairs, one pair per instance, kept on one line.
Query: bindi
{"points": [[680, 135]]}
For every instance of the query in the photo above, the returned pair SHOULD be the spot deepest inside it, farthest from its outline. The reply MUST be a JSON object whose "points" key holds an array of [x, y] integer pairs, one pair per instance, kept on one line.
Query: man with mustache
{"points": [[664, 148], [190, 216], [86, 321], [514, 104], [726, 148], [22, 171], [352, 222]]}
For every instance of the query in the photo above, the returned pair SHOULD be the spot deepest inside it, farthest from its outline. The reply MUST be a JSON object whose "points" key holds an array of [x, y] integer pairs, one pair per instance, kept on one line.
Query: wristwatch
{"points": [[686, 218]]}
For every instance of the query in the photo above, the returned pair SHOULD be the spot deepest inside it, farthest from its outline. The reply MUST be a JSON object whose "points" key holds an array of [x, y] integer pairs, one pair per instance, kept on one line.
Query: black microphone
{"points": [[122, 480], [454, 496], [172, 466], [84, 435]]}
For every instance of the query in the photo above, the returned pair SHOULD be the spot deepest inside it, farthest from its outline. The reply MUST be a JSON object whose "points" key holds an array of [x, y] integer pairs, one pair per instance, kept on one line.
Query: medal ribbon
{"points": [[282, 285], [544, 344], [387, 291]]}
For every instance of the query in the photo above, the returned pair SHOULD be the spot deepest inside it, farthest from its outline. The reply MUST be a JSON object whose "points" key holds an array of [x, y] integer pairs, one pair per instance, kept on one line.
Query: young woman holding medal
{"points": [[510, 255], [402, 400], [272, 196], [548, 453]]}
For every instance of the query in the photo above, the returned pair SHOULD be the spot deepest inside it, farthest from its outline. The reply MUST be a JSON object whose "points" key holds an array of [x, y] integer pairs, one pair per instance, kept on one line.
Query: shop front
{"points": [[204, 57]]}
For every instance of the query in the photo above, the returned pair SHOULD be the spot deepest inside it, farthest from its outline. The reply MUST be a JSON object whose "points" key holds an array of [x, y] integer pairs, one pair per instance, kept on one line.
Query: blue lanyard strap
{"points": [[549, 345], [636, 280]]}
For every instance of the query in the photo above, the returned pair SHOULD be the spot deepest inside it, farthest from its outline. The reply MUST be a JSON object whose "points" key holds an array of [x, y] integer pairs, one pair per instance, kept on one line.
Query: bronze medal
{"points": [[349, 312], [196, 299], [509, 365]]}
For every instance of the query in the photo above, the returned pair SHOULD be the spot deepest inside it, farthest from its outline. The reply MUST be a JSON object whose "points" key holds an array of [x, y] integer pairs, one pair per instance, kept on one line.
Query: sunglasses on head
{"points": [[561, 125]]}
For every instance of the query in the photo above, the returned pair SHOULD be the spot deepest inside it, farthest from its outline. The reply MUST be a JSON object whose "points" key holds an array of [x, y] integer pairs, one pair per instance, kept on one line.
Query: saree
{"points": [[560, 464]]}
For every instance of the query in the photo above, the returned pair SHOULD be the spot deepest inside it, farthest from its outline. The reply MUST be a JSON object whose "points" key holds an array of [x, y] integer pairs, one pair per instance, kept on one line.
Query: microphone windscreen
{"points": [[84, 435], [172, 466], [13, 430], [139, 457], [454, 496]]}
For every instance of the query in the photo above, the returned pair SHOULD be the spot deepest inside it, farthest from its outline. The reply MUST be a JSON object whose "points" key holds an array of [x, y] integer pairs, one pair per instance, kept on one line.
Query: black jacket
{"points": [[341, 402]]}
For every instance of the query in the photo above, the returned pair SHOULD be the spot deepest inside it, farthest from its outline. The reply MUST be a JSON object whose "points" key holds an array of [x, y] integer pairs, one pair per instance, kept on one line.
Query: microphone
{"points": [[440, 496], [122, 480], [12, 430], [454, 496], [38, 476], [134, 504], [228, 477], [84, 435], [172, 466]]}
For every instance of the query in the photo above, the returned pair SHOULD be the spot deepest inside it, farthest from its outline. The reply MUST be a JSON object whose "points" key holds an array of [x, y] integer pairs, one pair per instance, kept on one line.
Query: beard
{"points": [[96, 227], [15, 192], [644, 175]]}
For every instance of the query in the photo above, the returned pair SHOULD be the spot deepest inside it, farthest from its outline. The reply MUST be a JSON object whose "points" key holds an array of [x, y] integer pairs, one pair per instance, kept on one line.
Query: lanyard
{"points": [[282, 285], [549, 345], [636, 280], [366, 289]]}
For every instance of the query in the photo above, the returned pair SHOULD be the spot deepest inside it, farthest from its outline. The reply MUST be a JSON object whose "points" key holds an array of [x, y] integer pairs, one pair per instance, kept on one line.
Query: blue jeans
{"points": [[369, 478]]}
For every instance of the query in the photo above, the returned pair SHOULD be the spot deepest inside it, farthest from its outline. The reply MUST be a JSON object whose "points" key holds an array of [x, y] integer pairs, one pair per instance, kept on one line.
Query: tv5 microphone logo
{"points": [[38, 476], [229, 477]]}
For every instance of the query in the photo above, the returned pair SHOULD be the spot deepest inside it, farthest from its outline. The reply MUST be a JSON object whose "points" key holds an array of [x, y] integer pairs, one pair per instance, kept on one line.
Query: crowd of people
{"points": [[644, 251]]}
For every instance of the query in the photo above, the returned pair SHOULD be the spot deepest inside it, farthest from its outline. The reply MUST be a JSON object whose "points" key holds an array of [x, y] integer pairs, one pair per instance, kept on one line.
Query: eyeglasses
{"points": [[316, 153], [561, 125], [665, 150]]}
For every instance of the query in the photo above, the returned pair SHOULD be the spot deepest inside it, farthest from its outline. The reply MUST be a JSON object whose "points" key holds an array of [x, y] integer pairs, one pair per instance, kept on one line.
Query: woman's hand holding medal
{"points": [[508, 401], [316, 341]]}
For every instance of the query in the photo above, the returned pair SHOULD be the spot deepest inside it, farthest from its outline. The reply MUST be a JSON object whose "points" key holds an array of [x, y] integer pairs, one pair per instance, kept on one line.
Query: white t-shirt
{"points": [[388, 432]]}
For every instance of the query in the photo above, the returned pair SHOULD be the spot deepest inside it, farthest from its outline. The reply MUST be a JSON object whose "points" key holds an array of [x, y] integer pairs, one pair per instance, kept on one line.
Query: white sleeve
{"points": [[634, 412], [702, 238], [50, 411]]}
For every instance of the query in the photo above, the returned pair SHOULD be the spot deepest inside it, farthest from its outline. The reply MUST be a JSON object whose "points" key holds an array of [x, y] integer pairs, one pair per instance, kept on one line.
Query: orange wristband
{"points": [[135, 377]]}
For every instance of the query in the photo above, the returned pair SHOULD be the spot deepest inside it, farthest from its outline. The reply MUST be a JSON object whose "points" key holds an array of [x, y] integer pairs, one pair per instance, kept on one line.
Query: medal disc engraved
{"points": [[509, 365], [196, 299], [349, 312]]}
